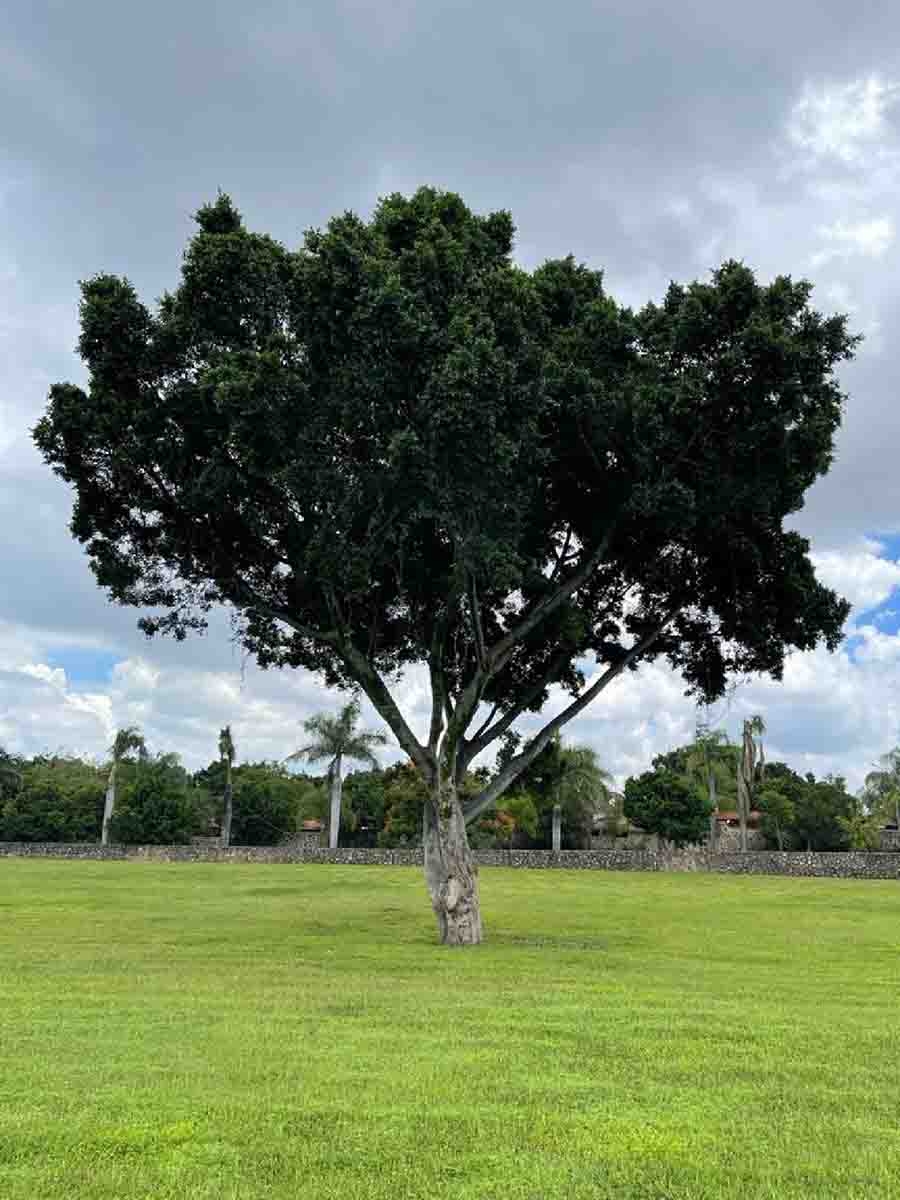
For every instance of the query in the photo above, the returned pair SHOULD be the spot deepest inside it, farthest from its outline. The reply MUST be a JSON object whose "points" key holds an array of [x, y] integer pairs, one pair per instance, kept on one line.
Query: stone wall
{"points": [[850, 865]]}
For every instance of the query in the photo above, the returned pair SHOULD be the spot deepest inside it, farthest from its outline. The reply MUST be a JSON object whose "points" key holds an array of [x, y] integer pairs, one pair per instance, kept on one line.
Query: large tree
{"points": [[667, 804], [710, 762], [393, 446], [333, 740]]}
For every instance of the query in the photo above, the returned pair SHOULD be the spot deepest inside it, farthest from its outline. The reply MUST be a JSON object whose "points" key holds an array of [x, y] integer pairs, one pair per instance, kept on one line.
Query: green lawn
{"points": [[252, 1031]]}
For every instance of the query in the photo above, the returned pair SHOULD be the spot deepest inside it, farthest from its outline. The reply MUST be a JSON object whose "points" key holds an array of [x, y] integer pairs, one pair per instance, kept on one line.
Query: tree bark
{"points": [[228, 809], [334, 823], [713, 810], [745, 782], [109, 805], [451, 873]]}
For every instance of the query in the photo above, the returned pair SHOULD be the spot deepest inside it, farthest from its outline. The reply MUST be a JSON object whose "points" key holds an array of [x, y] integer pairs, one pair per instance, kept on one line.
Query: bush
{"points": [[405, 793], [266, 802], [154, 806], [777, 816], [665, 803], [56, 800], [514, 817]]}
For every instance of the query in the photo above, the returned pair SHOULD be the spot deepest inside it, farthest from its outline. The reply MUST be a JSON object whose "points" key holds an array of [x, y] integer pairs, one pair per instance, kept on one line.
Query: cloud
{"points": [[860, 575], [847, 122], [871, 239], [651, 142]]}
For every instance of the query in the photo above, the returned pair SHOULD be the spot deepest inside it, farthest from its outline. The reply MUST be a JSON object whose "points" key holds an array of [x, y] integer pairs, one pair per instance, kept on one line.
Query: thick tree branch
{"points": [[489, 733], [485, 723], [518, 764], [360, 670], [498, 654], [561, 557], [244, 596], [476, 622]]}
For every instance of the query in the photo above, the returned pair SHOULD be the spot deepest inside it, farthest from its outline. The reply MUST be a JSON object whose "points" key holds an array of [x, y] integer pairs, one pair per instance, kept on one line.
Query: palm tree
{"points": [[882, 786], [710, 762], [226, 754], [748, 771], [581, 784], [126, 740], [10, 775], [334, 739]]}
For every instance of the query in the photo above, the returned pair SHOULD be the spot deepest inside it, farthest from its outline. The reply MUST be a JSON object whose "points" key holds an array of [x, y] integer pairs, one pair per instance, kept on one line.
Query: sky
{"points": [[648, 139]]}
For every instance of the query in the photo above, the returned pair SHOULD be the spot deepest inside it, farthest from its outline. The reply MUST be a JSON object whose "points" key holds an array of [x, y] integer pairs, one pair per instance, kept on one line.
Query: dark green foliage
{"points": [[822, 813], [275, 801], [363, 805], [778, 816], [393, 445], [405, 793], [55, 800], [154, 806], [10, 774], [265, 804], [665, 803], [708, 753]]}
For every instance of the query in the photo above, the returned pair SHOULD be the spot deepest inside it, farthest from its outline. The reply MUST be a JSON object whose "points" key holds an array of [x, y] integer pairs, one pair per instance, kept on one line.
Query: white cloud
{"points": [[846, 122], [871, 239], [55, 676], [859, 574]]}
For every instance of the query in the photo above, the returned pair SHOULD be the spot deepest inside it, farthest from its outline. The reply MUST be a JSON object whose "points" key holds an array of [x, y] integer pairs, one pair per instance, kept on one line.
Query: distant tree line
{"points": [[137, 797], [141, 798], [688, 788]]}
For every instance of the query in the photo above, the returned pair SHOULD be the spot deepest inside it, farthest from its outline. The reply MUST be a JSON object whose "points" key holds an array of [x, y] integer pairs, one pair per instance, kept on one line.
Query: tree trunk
{"points": [[743, 805], [109, 805], [713, 810], [334, 823], [228, 809], [745, 782], [450, 871]]}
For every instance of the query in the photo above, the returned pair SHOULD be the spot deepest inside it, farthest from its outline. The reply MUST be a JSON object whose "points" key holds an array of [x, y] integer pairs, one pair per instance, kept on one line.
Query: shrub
{"points": [[154, 806], [665, 803]]}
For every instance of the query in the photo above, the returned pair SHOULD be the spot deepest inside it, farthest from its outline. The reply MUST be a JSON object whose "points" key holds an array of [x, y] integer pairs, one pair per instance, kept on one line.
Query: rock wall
{"points": [[850, 865]]}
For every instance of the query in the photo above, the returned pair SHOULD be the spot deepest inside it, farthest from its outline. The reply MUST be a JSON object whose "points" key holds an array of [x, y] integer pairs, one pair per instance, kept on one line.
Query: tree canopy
{"points": [[394, 446], [666, 803]]}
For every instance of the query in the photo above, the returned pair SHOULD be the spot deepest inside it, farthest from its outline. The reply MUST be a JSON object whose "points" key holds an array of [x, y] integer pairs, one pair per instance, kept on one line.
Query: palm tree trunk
{"points": [[743, 805], [713, 810], [228, 808], [451, 873], [109, 805], [334, 824]]}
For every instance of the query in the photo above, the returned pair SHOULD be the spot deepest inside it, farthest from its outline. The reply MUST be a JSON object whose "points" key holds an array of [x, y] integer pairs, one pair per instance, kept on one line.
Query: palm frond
{"points": [[128, 739], [336, 735], [226, 744]]}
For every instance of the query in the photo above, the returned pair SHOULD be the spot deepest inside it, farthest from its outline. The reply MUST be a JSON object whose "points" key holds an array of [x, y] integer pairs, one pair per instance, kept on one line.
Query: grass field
{"points": [[232, 1032]]}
